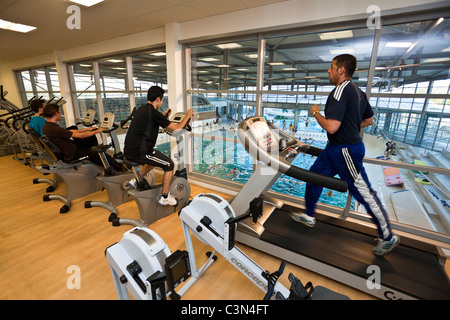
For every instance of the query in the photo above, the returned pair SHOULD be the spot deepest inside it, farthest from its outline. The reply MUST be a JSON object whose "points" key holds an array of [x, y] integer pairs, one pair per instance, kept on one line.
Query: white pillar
{"points": [[174, 62], [175, 88], [64, 84]]}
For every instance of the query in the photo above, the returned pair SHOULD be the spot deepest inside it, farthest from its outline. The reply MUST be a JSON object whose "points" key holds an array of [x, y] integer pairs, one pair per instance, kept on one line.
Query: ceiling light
{"points": [[336, 35], [276, 63], [85, 65], [289, 69], [242, 69], [87, 3], [223, 65], [232, 45], [398, 44], [342, 51], [158, 54], [7, 25], [150, 65], [115, 60], [209, 59], [432, 60]]}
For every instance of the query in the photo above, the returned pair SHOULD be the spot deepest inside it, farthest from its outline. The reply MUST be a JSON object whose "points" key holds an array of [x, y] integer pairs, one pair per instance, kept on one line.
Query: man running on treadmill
{"points": [[142, 135], [347, 111]]}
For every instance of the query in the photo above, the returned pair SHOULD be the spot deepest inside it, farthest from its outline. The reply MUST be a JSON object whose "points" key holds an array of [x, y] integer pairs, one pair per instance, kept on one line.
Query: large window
{"points": [[403, 68], [118, 84], [40, 82], [229, 67], [411, 81]]}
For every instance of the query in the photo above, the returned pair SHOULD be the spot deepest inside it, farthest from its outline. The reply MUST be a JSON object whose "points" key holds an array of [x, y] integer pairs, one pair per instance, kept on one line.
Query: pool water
{"points": [[230, 161]]}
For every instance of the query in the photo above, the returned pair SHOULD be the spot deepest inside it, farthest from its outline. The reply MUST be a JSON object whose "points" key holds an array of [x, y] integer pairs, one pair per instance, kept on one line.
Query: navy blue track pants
{"points": [[346, 161]]}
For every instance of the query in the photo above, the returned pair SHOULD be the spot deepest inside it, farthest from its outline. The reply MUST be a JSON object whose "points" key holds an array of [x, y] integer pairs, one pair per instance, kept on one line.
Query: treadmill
{"points": [[334, 248]]}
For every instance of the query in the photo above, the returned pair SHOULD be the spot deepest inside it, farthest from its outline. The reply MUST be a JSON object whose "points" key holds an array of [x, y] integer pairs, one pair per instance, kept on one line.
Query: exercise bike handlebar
{"points": [[124, 122]]}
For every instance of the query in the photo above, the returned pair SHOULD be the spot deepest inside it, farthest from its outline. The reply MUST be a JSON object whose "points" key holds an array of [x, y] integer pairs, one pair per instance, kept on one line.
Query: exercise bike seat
{"points": [[131, 163]]}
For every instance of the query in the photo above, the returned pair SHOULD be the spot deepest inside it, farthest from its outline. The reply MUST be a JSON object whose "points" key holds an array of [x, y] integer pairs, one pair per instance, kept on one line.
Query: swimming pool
{"points": [[230, 161]]}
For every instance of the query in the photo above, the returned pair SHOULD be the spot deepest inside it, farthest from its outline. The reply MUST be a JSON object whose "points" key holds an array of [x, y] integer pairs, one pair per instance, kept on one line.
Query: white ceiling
{"points": [[108, 20]]}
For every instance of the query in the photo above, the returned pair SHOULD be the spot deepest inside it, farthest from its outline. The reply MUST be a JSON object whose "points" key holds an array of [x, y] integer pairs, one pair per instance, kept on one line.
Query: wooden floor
{"points": [[38, 247]]}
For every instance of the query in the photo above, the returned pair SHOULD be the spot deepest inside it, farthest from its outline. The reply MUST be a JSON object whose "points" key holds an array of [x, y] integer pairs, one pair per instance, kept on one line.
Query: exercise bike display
{"points": [[146, 195]]}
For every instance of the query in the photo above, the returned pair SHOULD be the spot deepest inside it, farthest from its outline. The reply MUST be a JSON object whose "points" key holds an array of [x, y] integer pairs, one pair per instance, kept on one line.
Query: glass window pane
{"points": [[224, 66], [54, 79], [216, 148], [83, 76], [112, 72], [26, 80], [86, 101], [302, 61], [118, 104], [413, 59], [149, 69]]}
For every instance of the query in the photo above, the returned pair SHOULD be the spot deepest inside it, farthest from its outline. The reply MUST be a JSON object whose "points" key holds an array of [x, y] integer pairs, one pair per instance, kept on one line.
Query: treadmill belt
{"points": [[412, 271]]}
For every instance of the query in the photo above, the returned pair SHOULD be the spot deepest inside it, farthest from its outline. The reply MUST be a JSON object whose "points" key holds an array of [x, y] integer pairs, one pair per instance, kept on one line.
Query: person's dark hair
{"points": [[348, 62], [36, 104], [155, 92], [50, 110]]}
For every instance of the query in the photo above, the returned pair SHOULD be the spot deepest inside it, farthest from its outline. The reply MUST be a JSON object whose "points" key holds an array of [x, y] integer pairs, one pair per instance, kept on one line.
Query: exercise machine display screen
{"points": [[265, 138], [177, 269], [177, 118]]}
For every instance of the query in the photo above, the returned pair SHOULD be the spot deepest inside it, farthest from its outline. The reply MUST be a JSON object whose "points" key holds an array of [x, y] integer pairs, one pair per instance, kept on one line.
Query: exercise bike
{"points": [[79, 175], [146, 195], [112, 181]]}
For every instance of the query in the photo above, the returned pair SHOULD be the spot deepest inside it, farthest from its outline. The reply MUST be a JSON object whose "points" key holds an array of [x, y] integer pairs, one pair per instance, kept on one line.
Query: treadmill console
{"points": [[264, 136]]}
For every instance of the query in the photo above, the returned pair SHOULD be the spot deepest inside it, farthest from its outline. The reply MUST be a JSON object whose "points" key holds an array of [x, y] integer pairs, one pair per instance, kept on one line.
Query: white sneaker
{"points": [[169, 201], [130, 184], [303, 218], [384, 247]]}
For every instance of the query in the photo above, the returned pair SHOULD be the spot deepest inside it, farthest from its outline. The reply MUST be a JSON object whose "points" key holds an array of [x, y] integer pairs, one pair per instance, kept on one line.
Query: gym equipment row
{"points": [[142, 264]]}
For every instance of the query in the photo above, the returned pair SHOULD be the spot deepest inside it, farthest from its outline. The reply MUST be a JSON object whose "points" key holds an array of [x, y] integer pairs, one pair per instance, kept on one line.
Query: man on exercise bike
{"points": [[142, 135], [74, 143]]}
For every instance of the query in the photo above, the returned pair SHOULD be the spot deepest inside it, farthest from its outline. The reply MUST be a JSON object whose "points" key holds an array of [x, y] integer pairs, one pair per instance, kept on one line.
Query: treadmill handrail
{"points": [[251, 146], [317, 178]]}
